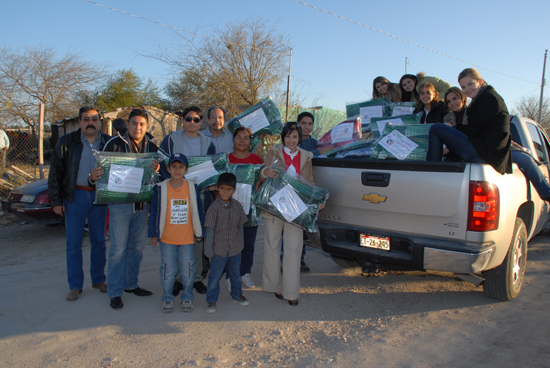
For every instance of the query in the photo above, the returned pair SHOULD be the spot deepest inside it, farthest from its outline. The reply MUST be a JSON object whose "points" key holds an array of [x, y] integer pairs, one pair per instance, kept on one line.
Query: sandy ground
{"points": [[343, 319]]}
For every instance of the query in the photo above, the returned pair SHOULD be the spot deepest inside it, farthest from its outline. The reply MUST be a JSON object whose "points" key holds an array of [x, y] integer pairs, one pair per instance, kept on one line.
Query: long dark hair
{"points": [[457, 91], [392, 89], [405, 95]]}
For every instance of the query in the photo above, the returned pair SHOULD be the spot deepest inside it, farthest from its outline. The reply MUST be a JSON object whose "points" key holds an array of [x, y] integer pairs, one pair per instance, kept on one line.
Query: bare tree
{"points": [[35, 75], [244, 63], [529, 107]]}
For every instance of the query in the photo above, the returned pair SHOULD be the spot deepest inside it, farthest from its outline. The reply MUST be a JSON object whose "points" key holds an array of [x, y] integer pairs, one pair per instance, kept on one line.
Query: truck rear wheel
{"points": [[504, 282], [344, 262]]}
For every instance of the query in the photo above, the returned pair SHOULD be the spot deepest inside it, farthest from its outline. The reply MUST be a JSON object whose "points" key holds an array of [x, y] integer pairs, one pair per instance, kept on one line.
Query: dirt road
{"points": [[343, 319]]}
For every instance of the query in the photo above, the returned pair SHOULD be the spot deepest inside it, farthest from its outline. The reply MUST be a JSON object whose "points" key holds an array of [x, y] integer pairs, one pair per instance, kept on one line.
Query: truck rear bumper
{"points": [[406, 251], [457, 262]]}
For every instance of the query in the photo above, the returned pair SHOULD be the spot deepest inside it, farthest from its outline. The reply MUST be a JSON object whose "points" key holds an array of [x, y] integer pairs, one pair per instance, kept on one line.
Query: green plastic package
{"points": [[379, 123], [262, 118], [291, 199], [368, 110], [402, 108], [205, 170], [352, 147], [247, 177], [401, 136], [127, 177]]}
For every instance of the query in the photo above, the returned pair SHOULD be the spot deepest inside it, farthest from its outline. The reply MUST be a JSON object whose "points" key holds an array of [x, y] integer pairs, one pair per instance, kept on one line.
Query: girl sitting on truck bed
{"points": [[484, 136]]}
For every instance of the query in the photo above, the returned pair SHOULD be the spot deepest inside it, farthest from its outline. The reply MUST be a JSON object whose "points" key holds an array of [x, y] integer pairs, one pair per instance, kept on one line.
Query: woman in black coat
{"points": [[484, 136], [430, 106]]}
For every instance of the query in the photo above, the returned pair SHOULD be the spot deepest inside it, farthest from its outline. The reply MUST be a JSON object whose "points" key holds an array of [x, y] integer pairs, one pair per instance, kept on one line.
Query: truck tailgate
{"points": [[363, 194]]}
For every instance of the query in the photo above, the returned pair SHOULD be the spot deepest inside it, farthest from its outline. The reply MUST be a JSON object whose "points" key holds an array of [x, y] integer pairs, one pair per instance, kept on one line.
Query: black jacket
{"points": [[488, 129], [435, 115], [121, 143], [64, 166]]}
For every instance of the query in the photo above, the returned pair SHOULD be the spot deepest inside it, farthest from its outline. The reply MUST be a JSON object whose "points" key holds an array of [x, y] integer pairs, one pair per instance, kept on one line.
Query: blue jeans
{"points": [[128, 231], [217, 266], [170, 257], [247, 255], [532, 172], [456, 142], [82, 207]]}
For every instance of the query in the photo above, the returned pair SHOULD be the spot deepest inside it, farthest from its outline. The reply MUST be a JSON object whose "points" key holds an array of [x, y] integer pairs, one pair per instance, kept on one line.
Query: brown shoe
{"points": [[102, 286], [72, 295]]}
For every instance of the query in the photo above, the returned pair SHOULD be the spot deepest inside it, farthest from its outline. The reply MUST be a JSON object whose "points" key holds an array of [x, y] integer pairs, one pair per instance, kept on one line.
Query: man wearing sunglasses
{"points": [[71, 189], [190, 142], [222, 138]]}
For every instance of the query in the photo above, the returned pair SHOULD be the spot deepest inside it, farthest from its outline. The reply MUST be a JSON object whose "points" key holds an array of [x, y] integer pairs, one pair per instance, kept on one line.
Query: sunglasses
{"points": [[195, 119]]}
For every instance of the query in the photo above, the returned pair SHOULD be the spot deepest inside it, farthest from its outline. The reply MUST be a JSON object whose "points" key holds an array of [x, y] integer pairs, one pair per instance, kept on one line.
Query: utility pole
{"points": [[406, 62], [288, 85], [41, 141], [542, 85]]}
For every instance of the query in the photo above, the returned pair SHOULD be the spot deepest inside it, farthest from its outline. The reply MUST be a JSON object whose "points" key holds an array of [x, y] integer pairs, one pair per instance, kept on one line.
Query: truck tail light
{"points": [[483, 206]]}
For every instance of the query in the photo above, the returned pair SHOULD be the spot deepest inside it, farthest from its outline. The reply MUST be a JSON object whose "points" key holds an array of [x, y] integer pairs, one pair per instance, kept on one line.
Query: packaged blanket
{"points": [[344, 133], [403, 142], [367, 110], [352, 147], [378, 124], [262, 118], [127, 177], [402, 108], [291, 198], [247, 177], [205, 170]]}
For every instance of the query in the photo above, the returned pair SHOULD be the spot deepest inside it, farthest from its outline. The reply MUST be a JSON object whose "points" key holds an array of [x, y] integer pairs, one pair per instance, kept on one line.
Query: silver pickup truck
{"points": [[444, 216]]}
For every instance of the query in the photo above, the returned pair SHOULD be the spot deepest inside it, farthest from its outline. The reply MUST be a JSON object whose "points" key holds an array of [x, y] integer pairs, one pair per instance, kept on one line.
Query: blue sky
{"points": [[336, 60]]}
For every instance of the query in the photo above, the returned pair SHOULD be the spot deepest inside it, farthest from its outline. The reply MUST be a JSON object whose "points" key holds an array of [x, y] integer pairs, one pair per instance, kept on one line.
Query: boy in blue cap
{"points": [[176, 219]]}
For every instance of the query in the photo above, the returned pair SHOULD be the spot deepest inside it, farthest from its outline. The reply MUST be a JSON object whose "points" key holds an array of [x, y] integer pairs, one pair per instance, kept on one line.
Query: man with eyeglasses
{"points": [[190, 142], [71, 190], [222, 138]]}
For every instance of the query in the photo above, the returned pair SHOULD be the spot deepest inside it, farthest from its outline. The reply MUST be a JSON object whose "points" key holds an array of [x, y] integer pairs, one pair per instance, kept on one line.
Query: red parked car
{"points": [[30, 203]]}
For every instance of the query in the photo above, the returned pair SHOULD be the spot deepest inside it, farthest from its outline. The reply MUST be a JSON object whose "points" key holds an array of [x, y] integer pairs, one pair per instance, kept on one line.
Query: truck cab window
{"points": [[540, 149]]}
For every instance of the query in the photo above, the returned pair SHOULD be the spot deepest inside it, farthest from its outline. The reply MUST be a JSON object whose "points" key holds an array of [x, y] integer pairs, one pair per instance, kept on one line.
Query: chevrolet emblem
{"points": [[374, 198]]}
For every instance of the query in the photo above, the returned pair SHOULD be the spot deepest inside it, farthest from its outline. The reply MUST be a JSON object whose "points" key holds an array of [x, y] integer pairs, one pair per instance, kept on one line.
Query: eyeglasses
{"points": [[95, 119], [196, 119]]}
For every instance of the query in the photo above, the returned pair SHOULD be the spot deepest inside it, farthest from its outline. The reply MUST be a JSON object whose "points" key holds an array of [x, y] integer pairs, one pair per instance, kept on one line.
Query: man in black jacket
{"points": [[71, 188], [129, 221]]}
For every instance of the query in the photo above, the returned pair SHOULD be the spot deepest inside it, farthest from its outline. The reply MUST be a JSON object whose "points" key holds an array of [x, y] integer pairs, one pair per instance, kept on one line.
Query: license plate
{"points": [[377, 242]]}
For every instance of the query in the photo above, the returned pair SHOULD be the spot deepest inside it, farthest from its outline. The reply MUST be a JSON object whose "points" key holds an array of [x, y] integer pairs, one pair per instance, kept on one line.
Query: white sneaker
{"points": [[247, 281], [228, 284], [211, 308]]}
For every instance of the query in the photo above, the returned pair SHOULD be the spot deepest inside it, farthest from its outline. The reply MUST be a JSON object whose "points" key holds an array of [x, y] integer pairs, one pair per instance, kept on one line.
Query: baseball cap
{"points": [[178, 157]]}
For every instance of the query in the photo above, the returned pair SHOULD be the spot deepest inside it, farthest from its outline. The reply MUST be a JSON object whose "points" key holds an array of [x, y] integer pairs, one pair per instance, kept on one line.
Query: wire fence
{"points": [[21, 162]]}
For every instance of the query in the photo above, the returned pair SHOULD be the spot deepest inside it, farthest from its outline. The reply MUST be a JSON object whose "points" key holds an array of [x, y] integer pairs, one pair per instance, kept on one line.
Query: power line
{"points": [[410, 42], [519, 98], [183, 30], [503, 26]]}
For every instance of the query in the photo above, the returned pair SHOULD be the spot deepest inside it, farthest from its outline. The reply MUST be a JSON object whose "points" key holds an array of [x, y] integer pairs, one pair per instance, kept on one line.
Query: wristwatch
{"points": [[90, 181]]}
